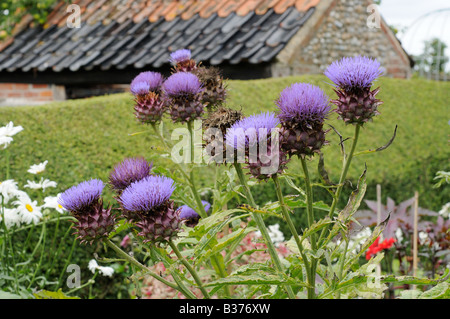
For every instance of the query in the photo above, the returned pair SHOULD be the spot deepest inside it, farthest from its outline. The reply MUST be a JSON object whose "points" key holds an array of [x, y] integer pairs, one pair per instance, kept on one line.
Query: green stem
{"points": [[262, 227], [346, 166], [167, 147], [287, 218], [200, 208], [190, 269], [309, 201], [136, 263], [69, 258]]}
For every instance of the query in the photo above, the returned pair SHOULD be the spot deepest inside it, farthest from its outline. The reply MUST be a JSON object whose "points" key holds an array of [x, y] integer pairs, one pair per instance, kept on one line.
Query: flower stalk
{"points": [[346, 165], [293, 230], [261, 226], [190, 269]]}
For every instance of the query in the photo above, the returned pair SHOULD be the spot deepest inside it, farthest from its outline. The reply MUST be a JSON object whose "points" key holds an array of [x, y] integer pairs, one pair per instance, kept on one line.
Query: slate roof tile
{"points": [[142, 33]]}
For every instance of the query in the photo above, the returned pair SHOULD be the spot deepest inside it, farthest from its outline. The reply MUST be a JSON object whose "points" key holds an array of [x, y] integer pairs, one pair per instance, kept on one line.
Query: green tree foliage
{"points": [[12, 11], [433, 58]]}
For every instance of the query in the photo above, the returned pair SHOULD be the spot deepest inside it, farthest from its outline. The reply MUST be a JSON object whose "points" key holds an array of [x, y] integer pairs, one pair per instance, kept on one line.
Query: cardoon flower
{"points": [[84, 202], [182, 91], [148, 202], [150, 80], [302, 110], [215, 127], [190, 216], [128, 171], [254, 135], [214, 92], [182, 61], [146, 87], [353, 78]]}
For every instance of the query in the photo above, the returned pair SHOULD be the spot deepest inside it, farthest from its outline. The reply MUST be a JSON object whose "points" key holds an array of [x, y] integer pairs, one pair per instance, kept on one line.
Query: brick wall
{"points": [[25, 93]]}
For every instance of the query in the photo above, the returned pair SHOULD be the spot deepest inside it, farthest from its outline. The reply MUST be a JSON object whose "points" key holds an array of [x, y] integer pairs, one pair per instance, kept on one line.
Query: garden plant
{"points": [[193, 242]]}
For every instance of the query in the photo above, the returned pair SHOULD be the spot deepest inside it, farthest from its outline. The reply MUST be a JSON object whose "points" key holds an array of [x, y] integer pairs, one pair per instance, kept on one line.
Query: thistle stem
{"points": [[162, 139], [136, 263], [262, 227], [309, 201], [190, 269], [287, 218], [346, 165], [200, 208]]}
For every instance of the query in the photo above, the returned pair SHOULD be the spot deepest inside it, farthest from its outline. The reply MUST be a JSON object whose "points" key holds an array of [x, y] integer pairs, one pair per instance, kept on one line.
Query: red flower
{"points": [[376, 247]]}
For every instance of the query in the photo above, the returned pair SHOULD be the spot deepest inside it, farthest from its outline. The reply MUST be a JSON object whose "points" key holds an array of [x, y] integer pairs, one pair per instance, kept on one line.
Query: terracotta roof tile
{"points": [[281, 6], [304, 5], [119, 34]]}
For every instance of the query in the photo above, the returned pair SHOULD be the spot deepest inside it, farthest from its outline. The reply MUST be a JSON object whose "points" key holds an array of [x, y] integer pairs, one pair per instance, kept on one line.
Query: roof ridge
{"points": [[154, 10]]}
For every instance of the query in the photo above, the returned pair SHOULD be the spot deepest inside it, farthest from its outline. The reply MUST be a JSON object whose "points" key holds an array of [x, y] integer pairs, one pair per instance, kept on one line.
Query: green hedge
{"points": [[84, 139]]}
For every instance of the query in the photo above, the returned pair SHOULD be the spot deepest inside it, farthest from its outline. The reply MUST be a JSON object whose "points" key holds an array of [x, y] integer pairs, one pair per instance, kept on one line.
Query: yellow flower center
{"points": [[59, 206], [29, 208]]}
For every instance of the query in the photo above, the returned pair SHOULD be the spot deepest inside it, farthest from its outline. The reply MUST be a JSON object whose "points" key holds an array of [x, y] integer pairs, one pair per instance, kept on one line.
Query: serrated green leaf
{"points": [[46, 294]]}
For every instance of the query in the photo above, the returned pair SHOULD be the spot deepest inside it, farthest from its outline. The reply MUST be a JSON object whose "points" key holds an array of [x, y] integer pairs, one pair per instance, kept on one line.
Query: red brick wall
{"points": [[31, 92]]}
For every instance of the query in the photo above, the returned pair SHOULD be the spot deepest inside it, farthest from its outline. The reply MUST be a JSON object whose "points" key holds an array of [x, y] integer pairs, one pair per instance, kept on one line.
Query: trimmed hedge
{"points": [[84, 139]]}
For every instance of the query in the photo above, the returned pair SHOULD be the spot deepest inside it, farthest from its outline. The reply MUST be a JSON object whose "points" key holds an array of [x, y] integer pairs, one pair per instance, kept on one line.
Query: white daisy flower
{"points": [[8, 189], [105, 271], [41, 184], [10, 130], [5, 141], [37, 168], [52, 202], [28, 210], [12, 217]]}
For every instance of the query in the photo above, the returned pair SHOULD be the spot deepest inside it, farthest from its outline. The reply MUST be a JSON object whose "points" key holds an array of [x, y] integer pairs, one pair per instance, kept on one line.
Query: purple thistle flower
{"points": [[180, 56], [190, 216], [354, 73], [182, 83], [146, 194], [128, 171], [187, 212], [247, 131], [303, 103], [80, 197], [145, 82]]}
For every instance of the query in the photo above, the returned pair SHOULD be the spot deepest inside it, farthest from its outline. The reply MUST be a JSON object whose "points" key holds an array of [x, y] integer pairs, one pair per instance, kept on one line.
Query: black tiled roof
{"points": [[232, 39]]}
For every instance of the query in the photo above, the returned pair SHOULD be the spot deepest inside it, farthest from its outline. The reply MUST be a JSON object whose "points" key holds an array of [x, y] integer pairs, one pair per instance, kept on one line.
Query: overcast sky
{"points": [[408, 13]]}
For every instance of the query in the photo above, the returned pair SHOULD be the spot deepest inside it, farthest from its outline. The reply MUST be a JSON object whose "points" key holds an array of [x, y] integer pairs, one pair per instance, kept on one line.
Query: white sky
{"points": [[407, 14]]}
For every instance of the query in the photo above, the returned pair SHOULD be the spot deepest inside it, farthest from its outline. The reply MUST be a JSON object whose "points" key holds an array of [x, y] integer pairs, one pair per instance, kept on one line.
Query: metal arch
{"points": [[436, 14]]}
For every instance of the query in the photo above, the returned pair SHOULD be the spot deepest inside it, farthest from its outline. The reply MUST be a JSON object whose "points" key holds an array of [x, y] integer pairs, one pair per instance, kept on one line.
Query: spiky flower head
{"points": [[80, 198], [182, 91], [145, 82], [353, 78], [190, 216], [146, 195], [129, 171], [214, 91], [146, 87], [182, 61], [303, 109], [354, 73], [182, 83], [215, 127], [304, 104], [180, 56], [84, 202], [148, 203], [258, 136], [250, 130], [162, 226]]}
